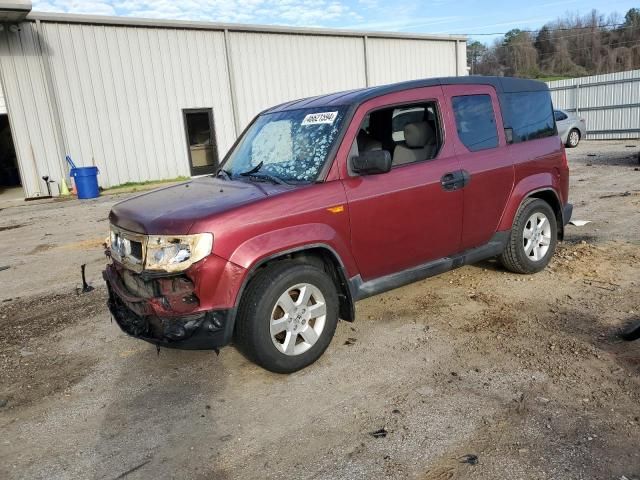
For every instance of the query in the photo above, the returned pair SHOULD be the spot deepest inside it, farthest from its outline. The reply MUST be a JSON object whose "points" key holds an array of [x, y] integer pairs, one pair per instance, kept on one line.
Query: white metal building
{"points": [[149, 99]]}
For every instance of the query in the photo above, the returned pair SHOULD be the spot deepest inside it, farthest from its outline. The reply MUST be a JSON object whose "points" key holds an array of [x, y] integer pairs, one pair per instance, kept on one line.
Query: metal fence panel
{"points": [[609, 103]]}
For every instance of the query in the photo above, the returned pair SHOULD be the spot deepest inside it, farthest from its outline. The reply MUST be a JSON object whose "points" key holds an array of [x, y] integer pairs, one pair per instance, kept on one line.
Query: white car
{"points": [[571, 129]]}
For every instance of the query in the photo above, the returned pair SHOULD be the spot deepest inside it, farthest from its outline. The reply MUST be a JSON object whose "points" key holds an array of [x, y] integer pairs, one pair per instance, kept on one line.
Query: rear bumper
{"points": [[567, 212], [144, 318]]}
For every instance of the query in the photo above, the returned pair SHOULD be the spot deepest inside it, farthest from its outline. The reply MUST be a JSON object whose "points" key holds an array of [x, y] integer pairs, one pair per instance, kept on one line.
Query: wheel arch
{"points": [[319, 254], [550, 196], [546, 193]]}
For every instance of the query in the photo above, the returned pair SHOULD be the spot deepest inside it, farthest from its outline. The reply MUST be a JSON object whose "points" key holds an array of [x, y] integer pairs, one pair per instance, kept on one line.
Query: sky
{"points": [[434, 16]]}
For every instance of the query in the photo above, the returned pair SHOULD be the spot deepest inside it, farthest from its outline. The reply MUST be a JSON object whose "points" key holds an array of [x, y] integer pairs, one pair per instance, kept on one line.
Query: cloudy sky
{"points": [[431, 16]]}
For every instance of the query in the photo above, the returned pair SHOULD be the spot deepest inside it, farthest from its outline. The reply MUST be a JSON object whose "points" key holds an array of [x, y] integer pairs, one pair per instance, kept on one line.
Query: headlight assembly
{"points": [[176, 253]]}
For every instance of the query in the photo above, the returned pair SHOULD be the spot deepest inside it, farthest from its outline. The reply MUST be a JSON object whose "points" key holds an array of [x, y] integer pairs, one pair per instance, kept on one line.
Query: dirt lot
{"points": [[526, 373]]}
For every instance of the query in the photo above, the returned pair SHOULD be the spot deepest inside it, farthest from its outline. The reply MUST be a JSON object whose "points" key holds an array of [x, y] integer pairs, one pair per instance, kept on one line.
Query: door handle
{"points": [[450, 181], [455, 180]]}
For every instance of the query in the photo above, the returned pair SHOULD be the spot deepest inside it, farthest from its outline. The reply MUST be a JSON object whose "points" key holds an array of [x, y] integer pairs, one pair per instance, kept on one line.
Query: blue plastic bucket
{"points": [[86, 179]]}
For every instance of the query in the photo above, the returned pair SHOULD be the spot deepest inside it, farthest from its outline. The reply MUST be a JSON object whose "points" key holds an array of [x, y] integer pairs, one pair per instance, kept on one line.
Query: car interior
{"points": [[410, 133]]}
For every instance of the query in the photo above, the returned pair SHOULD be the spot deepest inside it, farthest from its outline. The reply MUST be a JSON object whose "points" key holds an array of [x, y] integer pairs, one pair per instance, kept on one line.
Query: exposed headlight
{"points": [[174, 254]]}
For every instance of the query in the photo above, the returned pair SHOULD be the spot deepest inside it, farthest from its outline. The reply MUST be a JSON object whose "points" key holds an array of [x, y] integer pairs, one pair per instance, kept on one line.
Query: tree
{"points": [[632, 18], [574, 45], [475, 52]]}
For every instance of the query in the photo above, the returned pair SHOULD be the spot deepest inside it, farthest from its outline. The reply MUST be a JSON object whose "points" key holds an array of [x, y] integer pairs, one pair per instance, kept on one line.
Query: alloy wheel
{"points": [[298, 319], [574, 138], [536, 236]]}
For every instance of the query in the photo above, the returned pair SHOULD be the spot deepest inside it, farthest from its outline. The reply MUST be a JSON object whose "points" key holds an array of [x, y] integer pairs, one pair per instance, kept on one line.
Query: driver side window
{"points": [[410, 133]]}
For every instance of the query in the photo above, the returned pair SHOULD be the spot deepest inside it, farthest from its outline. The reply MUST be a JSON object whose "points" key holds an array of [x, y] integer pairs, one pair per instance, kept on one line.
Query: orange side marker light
{"points": [[338, 209]]}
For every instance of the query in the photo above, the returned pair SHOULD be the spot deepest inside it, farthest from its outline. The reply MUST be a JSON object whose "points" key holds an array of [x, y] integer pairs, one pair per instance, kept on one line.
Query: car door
{"points": [[403, 218], [563, 123], [479, 142]]}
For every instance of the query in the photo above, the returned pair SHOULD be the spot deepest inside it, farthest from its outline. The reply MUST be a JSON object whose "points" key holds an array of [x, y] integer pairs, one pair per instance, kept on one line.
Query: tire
{"points": [[573, 139], [271, 303], [631, 332], [518, 256]]}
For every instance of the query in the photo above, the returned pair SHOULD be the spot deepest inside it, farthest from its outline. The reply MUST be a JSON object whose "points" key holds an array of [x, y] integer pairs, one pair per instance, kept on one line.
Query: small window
{"points": [[560, 116], [475, 122], [409, 133], [203, 153], [529, 114]]}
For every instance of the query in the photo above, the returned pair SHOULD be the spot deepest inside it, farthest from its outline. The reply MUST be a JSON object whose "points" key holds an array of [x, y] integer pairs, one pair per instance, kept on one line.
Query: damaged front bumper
{"points": [[165, 311]]}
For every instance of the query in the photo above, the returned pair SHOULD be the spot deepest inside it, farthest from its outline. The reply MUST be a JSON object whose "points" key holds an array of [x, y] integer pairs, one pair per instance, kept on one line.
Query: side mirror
{"points": [[373, 162]]}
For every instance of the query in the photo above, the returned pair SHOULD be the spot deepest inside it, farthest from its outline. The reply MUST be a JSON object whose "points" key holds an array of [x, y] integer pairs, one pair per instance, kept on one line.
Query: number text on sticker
{"points": [[320, 118]]}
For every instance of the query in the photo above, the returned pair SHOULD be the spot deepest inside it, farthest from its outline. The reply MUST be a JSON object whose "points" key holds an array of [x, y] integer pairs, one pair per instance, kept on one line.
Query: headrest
{"points": [[418, 134]]}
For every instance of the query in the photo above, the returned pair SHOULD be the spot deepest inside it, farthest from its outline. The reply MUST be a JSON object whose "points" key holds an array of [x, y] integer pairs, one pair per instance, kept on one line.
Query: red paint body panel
{"points": [[492, 174], [539, 164], [245, 235], [403, 218]]}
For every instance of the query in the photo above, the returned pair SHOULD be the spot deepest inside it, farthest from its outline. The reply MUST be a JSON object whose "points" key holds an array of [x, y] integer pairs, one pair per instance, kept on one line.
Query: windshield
{"points": [[290, 146]]}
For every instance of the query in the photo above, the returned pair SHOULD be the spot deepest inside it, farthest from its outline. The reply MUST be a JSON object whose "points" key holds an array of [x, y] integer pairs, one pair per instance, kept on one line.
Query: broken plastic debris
{"points": [[471, 459], [579, 223], [379, 433]]}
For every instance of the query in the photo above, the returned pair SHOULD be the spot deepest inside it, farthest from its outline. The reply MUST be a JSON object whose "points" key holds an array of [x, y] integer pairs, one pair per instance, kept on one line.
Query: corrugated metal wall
{"points": [[30, 112], [113, 95], [395, 60], [610, 103], [269, 69], [121, 92]]}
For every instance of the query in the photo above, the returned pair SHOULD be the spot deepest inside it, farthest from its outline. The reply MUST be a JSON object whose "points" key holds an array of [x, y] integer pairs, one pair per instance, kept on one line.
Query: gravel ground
{"points": [[475, 374]]}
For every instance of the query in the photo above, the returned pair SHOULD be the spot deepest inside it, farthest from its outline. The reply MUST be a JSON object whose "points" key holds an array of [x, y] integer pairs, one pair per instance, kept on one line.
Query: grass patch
{"points": [[148, 183], [552, 79]]}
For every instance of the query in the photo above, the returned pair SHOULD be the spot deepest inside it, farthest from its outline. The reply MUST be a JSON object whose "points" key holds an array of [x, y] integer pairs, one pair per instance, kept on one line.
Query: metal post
{"points": [[457, 58], [232, 86], [577, 99], [366, 62]]}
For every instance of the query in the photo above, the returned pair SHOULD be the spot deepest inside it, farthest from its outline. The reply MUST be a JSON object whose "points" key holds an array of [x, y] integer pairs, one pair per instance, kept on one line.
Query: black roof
{"points": [[356, 97]]}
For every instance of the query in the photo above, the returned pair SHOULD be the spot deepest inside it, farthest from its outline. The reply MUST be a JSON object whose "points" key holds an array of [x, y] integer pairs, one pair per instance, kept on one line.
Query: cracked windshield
{"points": [[286, 147]]}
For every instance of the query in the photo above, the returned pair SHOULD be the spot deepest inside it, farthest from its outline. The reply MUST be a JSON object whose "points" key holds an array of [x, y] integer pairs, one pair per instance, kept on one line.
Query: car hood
{"points": [[173, 210]]}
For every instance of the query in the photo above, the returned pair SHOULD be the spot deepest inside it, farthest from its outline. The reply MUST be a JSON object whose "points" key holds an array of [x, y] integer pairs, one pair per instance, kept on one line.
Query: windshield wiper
{"points": [[253, 173], [255, 169], [265, 176], [223, 173]]}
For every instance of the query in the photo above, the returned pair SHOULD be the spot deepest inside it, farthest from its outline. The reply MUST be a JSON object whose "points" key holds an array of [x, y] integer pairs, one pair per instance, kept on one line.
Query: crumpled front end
{"points": [[165, 310]]}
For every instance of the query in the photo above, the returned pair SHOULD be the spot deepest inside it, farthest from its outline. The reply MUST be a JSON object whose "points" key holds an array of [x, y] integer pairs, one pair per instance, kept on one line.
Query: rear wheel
{"points": [[574, 138], [287, 316], [533, 238]]}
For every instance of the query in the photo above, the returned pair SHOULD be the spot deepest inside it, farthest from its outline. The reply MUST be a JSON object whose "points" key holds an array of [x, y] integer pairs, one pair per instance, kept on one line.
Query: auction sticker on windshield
{"points": [[320, 118]]}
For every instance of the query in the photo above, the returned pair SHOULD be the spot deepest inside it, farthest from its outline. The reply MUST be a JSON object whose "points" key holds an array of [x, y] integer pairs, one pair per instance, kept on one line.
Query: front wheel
{"points": [[533, 238], [573, 139], [287, 317]]}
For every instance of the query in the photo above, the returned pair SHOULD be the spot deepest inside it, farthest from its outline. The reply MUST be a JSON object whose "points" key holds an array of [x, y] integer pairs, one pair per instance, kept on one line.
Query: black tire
{"points": [[571, 143], [514, 256], [631, 332], [252, 331]]}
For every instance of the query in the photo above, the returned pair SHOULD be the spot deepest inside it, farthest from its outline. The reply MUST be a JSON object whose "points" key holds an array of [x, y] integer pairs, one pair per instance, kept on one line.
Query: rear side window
{"points": [[560, 116], [529, 114], [475, 122]]}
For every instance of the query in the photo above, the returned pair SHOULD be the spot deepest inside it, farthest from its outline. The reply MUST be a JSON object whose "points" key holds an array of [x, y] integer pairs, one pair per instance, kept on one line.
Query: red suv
{"points": [[325, 201]]}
